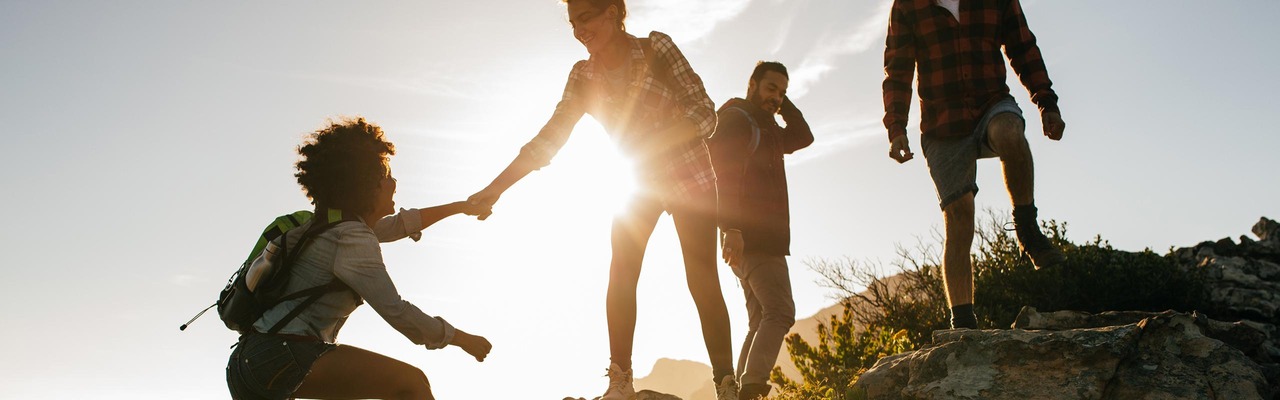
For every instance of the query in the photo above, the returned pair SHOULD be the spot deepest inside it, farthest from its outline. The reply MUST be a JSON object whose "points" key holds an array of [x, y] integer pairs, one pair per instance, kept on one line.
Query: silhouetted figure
{"points": [[344, 171], [968, 114], [747, 151], [653, 104]]}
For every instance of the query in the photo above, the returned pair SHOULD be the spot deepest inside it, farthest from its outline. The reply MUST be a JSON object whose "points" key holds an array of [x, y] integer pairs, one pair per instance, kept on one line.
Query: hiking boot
{"points": [[1043, 253], [620, 385], [753, 391], [727, 389]]}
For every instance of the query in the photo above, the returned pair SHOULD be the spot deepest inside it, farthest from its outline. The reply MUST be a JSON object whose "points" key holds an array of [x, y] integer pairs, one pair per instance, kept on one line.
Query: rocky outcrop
{"points": [[1244, 278], [1069, 355], [1243, 287]]}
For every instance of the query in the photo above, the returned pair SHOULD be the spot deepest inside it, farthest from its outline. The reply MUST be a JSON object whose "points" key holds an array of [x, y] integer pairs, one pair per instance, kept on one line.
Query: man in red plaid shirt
{"points": [[968, 114]]}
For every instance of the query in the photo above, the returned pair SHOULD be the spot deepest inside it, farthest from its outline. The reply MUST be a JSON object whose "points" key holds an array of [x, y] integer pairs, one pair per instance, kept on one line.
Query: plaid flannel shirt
{"points": [[646, 106], [961, 69]]}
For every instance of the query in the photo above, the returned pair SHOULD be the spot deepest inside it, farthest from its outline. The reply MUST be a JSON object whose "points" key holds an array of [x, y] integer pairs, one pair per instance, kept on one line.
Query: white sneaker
{"points": [[620, 385], [727, 389]]}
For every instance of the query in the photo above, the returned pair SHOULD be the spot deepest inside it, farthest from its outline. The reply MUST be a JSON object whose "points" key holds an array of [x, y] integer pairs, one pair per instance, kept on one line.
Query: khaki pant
{"points": [[771, 312]]}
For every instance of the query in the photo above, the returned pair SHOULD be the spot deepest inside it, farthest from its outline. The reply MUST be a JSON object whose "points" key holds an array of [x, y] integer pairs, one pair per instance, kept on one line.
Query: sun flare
{"points": [[597, 177]]}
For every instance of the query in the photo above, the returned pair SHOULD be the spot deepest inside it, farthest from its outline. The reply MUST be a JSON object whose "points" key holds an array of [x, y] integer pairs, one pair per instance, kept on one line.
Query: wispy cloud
{"points": [[821, 59], [685, 20], [837, 135]]}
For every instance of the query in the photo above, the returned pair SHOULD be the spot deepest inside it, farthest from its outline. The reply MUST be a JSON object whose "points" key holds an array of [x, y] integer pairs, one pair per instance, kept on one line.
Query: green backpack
{"points": [[259, 283]]}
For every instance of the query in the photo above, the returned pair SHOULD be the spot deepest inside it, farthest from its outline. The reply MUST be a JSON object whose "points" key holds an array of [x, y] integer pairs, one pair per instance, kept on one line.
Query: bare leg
{"points": [[630, 236], [697, 232], [1006, 134], [348, 372], [957, 269]]}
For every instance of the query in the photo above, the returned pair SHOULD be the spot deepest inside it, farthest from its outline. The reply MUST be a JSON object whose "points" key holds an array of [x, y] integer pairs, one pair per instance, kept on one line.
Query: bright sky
{"points": [[145, 143]]}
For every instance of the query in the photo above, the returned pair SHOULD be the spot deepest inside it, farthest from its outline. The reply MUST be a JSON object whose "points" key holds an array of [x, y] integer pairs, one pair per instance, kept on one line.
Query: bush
{"points": [[841, 354], [884, 316]]}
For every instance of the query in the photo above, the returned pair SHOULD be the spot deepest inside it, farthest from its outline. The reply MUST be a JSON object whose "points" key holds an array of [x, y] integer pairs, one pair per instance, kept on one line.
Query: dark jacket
{"points": [[753, 187]]}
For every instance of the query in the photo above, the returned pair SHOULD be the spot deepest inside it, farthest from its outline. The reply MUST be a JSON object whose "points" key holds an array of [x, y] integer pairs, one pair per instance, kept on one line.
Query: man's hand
{"points": [[900, 149], [485, 198], [476, 346], [732, 251], [787, 106], [1053, 125]]}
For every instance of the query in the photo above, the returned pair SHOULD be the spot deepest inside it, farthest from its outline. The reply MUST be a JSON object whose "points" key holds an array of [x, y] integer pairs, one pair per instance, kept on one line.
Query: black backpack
{"points": [[272, 258]]}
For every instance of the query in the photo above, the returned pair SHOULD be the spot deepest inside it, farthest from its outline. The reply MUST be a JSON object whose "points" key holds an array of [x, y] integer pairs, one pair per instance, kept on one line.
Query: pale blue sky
{"points": [[146, 142]]}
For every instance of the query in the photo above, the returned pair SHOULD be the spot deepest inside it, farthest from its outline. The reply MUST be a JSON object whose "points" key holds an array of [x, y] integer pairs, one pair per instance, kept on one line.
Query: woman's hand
{"points": [[474, 210], [484, 200], [476, 346]]}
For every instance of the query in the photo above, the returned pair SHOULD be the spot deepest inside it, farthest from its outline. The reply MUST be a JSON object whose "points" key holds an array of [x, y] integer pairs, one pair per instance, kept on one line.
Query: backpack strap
{"points": [[657, 65], [755, 130], [312, 295], [752, 145], [331, 218]]}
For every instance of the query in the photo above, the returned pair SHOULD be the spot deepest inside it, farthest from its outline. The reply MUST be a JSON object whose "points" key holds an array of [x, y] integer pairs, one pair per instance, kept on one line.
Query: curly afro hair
{"points": [[343, 164]]}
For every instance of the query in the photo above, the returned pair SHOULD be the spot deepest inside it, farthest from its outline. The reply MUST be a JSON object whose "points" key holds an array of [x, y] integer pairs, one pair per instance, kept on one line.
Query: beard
{"points": [[770, 105]]}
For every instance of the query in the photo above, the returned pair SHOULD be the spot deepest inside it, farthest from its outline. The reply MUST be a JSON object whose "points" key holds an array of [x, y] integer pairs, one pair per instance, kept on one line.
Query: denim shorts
{"points": [[268, 367], [953, 161]]}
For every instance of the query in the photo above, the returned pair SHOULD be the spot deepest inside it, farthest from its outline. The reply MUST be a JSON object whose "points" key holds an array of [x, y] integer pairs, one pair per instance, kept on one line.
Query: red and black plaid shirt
{"points": [[961, 69], [646, 105]]}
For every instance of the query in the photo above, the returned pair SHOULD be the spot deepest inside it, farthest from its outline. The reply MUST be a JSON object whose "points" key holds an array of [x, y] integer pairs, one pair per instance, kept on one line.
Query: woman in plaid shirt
{"points": [[653, 104]]}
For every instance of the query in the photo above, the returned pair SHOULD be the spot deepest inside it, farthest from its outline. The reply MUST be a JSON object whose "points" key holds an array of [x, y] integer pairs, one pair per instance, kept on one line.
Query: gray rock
{"points": [[1158, 355], [1268, 231]]}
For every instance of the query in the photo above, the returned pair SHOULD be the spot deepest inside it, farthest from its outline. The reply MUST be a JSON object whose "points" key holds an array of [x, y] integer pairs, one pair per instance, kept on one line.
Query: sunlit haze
{"points": [[146, 143]]}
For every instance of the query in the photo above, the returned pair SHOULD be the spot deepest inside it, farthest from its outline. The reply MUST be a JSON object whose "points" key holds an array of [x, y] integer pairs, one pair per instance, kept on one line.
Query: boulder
{"points": [[1268, 231], [1070, 355]]}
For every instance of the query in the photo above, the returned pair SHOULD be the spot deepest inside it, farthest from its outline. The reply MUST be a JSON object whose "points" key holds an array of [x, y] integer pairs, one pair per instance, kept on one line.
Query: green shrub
{"points": [[829, 367]]}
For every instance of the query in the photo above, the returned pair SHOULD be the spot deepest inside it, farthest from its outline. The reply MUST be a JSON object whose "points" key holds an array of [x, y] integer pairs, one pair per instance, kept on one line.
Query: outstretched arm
{"points": [[358, 263], [411, 222], [543, 147]]}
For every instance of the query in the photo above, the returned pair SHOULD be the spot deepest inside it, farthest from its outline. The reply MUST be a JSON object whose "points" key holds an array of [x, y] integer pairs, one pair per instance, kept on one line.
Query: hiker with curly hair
{"points": [[344, 171]]}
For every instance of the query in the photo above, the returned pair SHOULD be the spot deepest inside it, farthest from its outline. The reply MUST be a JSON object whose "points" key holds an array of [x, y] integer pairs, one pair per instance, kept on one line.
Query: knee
{"points": [[959, 212], [624, 274], [414, 385], [1007, 132], [781, 319], [782, 313]]}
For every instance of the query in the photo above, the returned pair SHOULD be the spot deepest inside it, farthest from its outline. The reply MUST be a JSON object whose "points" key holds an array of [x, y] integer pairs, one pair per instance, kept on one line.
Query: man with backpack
{"points": [[747, 152]]}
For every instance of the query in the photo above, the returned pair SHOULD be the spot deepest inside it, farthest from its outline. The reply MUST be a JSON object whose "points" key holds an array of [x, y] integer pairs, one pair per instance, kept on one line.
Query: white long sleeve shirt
{"points": [[350, 252]]}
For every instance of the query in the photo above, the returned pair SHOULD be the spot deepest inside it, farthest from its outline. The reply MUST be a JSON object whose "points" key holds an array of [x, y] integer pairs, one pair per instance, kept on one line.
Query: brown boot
{"points": [[1043, 253]]}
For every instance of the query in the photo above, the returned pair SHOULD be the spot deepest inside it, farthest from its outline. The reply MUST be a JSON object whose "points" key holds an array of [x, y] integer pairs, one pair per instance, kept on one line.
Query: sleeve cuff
{"points": [[447, 338], [412, 220], [894, 132], [537, 152]]}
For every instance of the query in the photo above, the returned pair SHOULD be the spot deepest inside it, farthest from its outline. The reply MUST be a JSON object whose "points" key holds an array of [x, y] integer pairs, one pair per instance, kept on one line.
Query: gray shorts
{"points": [[953, 161]]}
